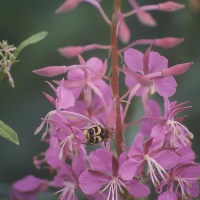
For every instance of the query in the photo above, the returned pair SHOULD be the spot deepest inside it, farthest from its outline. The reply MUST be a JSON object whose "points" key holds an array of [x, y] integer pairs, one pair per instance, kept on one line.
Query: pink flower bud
{"points": [[51, 71], [146, 19], [168, 42], [50, 98], [124, 32], [170, 6], [177, 69], [67, 6], [71, 51]]}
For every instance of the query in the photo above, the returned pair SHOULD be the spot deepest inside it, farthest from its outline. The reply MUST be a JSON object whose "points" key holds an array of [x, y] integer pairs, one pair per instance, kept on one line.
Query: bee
{"points": [[96, 133]]}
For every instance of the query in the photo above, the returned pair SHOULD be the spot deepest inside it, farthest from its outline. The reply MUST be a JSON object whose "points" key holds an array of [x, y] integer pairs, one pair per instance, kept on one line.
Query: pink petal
{"points": [[78, 165], [137, 189], [98, 93], [28, 184], [131, 81], [166, 86], [168, 195], [137, 146], [101, 160], [96, 65], [129, 168], [92, 181], [167, 159], [63, 94], [75, 74], [194, 190], [134, 60], [157, 62], [52, 154]]}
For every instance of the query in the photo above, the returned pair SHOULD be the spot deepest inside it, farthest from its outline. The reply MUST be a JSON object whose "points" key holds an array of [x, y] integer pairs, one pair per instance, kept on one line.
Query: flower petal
{"points": [[166, 86], [137, 189], [168, 195], [91, 181], [129, 169], [167, 159], [101, 160], [157, 62], [134, 60]]}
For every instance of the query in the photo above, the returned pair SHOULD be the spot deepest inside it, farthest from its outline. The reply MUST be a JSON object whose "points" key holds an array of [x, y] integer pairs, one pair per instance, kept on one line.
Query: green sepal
{"points": [[8, 133], [31, 40]]}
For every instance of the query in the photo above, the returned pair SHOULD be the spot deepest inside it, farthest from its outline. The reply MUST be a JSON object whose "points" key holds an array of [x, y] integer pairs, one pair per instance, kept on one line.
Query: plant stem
{"points": [[114, 77]]}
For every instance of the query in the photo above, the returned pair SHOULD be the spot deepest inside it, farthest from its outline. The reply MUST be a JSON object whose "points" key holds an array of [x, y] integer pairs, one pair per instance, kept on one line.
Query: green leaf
{"points": [[8, 133], [31, 40]]}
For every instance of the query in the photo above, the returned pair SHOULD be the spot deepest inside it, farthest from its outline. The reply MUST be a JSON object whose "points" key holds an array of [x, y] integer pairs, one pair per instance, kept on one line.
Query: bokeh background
{"points": [[23, 107]]}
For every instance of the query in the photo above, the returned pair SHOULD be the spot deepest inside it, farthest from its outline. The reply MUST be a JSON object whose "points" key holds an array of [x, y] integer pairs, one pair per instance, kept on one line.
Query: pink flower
{"points": [[151, 153], [182, 182], [104, 175], [144, 69], [67, 178], [28, 188], [169, 127]]}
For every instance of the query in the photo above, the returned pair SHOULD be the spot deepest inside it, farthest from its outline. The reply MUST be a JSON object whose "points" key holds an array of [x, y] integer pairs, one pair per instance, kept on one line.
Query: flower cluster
{"points": [[87, 109]]}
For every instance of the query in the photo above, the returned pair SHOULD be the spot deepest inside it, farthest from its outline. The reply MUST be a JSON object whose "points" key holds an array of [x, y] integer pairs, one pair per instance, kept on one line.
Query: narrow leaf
{"points": [[8, 133], [31, 40]]}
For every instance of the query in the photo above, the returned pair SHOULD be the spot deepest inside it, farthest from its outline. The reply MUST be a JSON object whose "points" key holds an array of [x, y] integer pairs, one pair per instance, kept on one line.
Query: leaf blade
{"points": [[31, 40], [8, 133]]}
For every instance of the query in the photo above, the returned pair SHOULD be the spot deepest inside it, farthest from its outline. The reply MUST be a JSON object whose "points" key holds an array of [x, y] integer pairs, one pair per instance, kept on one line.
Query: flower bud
{"points": [[177, 69], [146, 19], [67, 6], [168, 42], [170, 6], [124, 32], [71, 51], [51, 71]]}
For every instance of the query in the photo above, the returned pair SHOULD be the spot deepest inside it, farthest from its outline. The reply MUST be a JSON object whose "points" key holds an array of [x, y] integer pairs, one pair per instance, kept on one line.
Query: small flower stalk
{"points": [[87, 109], [6, 60]]}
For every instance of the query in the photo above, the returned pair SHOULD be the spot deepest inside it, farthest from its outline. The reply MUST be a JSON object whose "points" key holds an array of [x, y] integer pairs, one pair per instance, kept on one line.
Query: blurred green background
{"points": [[23, 107]]}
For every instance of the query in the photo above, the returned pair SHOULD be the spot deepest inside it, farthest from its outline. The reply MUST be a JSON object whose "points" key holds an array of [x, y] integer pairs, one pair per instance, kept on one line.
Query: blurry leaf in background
{"points": [[8, 133], [31, 40]]}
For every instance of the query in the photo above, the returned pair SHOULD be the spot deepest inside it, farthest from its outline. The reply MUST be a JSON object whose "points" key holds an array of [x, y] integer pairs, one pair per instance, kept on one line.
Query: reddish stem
{"points": [[114, 77]]}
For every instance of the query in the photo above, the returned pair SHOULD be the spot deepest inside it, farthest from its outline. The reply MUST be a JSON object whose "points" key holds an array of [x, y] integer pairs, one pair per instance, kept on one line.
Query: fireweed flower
{"points": [[28, 188], [145, 68], [150, 152], [60, 103], [103, 175], [182, 182], [149, 73], [161, 152], [169, 128], [67, 178]]}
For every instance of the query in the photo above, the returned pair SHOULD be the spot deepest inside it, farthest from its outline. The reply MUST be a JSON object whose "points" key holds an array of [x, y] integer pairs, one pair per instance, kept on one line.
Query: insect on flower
{"points": [[96, 133]]}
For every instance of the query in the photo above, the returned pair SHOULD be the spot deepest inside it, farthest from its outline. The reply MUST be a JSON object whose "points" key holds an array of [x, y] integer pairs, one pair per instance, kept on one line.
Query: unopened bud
{"points": [[170, 6], [124, 32], [51, 71], [71, 51], [67, 6], [177, 69], [168, 42], [146, 19]]}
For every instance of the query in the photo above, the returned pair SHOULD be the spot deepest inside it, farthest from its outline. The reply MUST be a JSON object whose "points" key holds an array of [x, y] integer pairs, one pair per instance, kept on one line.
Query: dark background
{"points": [[22, 107]]}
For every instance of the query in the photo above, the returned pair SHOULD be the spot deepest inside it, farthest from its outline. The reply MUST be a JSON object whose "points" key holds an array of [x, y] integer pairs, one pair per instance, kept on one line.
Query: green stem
{"points": [[114, 76]]}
